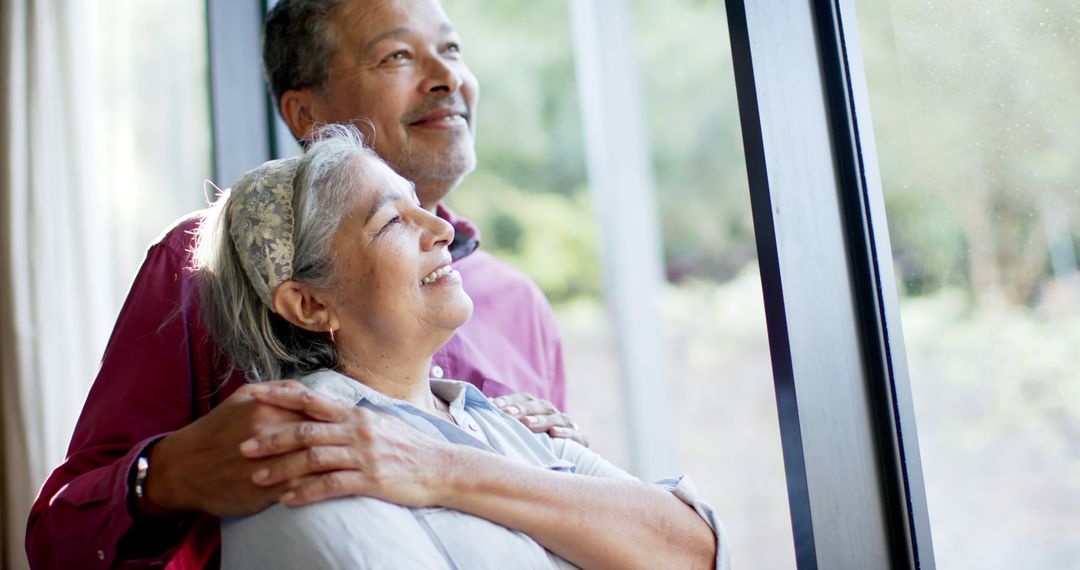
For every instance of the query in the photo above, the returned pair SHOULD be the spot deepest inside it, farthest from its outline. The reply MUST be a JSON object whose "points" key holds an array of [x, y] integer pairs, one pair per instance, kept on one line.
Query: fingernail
{"points": [[513, 410], [288, 496], [260, 475], [500, 402], [249, 446], [530, 419]]}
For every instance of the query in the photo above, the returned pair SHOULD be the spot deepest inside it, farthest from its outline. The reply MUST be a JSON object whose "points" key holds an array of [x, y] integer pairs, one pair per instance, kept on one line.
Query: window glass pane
{"points": [[719, 367], [529, 193], [531, 198], [154, 120], [975, 107]]}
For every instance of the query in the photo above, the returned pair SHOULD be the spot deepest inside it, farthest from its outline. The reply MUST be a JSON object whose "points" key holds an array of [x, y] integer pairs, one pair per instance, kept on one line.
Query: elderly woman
{"points": [[326, 267]]}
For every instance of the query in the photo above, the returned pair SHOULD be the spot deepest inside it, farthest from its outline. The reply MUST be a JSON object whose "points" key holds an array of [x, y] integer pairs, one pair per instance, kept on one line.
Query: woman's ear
{"points": [[304, 306]]}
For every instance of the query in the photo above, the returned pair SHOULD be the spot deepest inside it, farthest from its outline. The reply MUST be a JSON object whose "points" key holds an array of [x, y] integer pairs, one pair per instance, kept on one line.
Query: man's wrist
{"points": [[142, 469], [138, 480], [154, 530], [150, 493]]}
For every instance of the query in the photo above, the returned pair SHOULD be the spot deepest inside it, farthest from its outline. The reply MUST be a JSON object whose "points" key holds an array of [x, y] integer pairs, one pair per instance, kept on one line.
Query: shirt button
{"points": [[474, 427], [437, 371], [101, 555]]}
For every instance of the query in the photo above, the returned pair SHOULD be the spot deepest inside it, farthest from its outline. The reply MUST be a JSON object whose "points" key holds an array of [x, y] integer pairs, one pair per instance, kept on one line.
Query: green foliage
{"points": [[550, 236], [972, 107], [973, 104], [528, 194], [529, 129], [928, 244], [693, 125], [530, 139]]}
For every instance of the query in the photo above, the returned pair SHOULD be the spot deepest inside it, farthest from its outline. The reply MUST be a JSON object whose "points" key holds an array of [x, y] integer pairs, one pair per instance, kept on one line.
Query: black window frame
{"points": [[856, 495]]}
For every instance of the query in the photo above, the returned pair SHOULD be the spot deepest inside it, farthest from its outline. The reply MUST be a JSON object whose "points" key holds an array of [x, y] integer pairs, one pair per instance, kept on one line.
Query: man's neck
{"points": [[431, 193]]}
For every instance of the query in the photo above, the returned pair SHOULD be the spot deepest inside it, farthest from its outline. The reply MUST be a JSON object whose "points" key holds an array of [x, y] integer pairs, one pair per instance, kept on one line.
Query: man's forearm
{"points": [[82, 515], [590, 521]]}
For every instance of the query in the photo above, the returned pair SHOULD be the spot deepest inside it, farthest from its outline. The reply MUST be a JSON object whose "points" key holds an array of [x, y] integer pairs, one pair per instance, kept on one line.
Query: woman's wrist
{"points": [[461, 464], [477, 480]]}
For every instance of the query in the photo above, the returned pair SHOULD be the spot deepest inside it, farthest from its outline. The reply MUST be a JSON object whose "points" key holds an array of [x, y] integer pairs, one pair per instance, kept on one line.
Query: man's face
{"points": [[398, 64]]}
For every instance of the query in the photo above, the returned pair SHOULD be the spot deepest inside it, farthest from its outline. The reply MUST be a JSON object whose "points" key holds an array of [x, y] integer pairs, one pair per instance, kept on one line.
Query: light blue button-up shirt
{"points": [[362, 532]]}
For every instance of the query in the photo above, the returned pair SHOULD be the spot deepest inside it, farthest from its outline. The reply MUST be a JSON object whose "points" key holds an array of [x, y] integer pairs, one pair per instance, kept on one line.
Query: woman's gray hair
{"points": [[298, 42], [250, 334]]}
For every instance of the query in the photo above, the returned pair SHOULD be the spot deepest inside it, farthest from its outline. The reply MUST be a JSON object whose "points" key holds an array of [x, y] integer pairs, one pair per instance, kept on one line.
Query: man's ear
{"points": [[304, 306], [299, 109]]}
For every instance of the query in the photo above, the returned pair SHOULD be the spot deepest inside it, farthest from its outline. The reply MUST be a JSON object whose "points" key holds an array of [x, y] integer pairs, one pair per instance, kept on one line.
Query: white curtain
{"points": [[104, 141], [55, 272]]}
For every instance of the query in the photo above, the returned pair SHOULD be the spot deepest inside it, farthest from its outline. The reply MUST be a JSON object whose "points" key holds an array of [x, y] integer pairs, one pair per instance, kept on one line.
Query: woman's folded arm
{"points": [[629, 524], [599, 516]]}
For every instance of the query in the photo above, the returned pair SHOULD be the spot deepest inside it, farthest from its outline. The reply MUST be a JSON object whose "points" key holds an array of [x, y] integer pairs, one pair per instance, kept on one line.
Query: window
{"points": [[973, 108]]}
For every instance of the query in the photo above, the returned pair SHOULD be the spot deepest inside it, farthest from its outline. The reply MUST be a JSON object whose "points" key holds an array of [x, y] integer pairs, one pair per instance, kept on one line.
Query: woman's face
{"points": [[394, 282]]}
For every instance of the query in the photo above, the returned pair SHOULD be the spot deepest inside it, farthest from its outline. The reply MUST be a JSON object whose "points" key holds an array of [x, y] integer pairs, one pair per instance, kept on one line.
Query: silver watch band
{"points": [[142, 468]]}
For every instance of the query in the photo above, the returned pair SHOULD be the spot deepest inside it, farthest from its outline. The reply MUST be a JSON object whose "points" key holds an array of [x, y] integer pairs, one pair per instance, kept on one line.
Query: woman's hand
{"points": [[349, 451], [540, 416]]}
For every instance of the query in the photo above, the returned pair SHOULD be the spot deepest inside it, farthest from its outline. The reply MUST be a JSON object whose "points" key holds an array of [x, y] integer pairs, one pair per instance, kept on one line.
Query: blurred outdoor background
{"points": [[976, 108]]}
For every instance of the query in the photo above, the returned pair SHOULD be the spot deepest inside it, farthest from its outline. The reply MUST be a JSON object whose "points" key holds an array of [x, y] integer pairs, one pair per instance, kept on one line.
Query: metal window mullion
{"points": [[866, 284], [869, 226], [846, 427], [240, 116], [621, 181]]}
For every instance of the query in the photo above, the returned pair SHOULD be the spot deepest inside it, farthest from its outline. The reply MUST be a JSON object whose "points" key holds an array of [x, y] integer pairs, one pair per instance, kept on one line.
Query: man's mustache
{"points": [[454, 103]]}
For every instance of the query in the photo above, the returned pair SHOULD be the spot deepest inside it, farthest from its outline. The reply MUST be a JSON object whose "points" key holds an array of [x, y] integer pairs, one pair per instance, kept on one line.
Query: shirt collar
{"points": [[466, 234], [336, 385]]}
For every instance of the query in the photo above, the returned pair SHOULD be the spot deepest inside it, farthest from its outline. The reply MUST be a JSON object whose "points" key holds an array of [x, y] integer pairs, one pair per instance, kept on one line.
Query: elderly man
{"points": [[156, 456]]}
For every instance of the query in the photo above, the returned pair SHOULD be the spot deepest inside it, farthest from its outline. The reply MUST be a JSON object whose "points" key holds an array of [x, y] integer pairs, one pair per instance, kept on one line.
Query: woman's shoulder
{"points": [[357, 532]]}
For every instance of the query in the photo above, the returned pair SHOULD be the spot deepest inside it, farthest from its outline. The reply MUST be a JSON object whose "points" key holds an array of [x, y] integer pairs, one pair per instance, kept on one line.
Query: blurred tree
{"points": [[530, 140], [693, 121], [970, 128], [528, 194], [981, 114]]}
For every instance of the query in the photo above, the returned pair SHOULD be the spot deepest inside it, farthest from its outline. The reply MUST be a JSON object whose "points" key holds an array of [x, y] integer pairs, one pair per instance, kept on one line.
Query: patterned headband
{"points": [[261, 224]]}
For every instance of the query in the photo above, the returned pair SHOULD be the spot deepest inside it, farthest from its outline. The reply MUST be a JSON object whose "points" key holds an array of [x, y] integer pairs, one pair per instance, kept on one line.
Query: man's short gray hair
{"points": [[298, 41], [249, 333]]}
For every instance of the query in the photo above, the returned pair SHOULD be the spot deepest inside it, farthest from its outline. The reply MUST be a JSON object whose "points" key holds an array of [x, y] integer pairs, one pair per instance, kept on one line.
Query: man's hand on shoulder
{"points": [[201, 468], [347, 450], [541, 416]]}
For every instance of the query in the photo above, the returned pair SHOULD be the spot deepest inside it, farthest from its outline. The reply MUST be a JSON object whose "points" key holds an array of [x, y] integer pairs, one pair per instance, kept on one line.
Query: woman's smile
{"points": [[444, 274]]}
